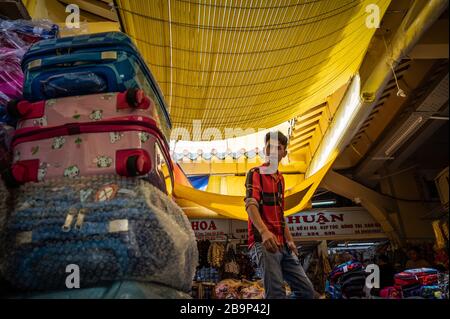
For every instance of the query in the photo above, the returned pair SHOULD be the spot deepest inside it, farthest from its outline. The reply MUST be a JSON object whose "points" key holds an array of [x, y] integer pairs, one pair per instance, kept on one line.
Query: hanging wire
{"points": [[298, 99], [171, 55], [257, 7], [400, 92], [335, 30], [214, 111], [312, 67], [275, 26]]}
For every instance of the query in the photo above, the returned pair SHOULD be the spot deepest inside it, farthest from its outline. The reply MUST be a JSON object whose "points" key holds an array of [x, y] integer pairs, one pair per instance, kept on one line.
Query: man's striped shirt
{"points": [[266, 192]]}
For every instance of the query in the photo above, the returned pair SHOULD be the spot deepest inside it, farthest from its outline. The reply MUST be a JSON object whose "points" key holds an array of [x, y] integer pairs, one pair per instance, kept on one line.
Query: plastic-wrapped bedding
{"points": [[116, 290], [4, 200], [16, 36], [113, 228]]}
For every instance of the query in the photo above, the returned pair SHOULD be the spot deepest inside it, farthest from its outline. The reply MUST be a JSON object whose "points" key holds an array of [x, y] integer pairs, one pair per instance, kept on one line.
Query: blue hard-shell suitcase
{"points": [[89, 64]]}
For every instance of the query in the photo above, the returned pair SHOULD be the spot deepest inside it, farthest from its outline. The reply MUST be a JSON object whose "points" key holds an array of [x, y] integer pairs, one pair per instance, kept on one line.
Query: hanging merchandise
{"points": [[441, 258], [207, 274], [445, 229], [216, 254], [231, 268], [203, 248], [246, 268], [145, 237], [315, 272], [438, 233]]}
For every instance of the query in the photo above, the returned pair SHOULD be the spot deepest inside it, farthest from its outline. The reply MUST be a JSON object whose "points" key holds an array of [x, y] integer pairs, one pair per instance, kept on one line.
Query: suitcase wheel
{"points": [[8, 178], [132, 162], [136, 98], [23, 172], [12, 109]]}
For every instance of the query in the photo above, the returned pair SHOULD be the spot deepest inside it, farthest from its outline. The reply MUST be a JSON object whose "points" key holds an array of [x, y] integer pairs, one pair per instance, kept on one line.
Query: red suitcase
{"points": [[125, 146], [426, 276], [405, 279], [81, 109]]}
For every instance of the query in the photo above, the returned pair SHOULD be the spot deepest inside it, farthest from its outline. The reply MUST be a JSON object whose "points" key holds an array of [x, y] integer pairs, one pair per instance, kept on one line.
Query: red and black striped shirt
{"points": [[266, 192]]}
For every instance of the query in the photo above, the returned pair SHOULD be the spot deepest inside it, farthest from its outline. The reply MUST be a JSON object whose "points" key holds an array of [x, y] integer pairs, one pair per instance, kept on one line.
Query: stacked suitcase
{"points": [[92, 128], [92, 98], [346, 281], [420, 282]]}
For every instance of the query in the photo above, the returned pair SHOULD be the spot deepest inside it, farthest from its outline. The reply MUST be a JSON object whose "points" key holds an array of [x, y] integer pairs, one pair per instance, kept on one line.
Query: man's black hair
{"points": [[383, 258], [282, 139], [415, 249]]}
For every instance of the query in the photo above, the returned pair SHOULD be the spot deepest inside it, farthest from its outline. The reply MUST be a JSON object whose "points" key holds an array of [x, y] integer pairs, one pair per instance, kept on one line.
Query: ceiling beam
{"points": [[422, 138]]}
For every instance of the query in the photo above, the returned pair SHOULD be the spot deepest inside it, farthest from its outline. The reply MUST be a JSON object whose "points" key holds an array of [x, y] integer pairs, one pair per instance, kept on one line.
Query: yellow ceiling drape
{"points": [[248, 64], [199, 203]]}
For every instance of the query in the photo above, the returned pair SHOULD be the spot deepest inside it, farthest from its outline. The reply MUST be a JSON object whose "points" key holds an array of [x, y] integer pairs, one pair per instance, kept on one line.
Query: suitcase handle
{"points": [[73, 58]]}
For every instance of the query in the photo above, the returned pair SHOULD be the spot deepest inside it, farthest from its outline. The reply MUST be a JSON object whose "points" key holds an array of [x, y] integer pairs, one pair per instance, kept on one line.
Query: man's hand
{"points": [[292, 247], [270, 241]]}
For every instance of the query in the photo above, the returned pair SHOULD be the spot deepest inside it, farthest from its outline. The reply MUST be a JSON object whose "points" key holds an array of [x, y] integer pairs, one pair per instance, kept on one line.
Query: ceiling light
{"points": [[444, 118], [403, 137], [382, 158], [323, 203], [333, 137]]}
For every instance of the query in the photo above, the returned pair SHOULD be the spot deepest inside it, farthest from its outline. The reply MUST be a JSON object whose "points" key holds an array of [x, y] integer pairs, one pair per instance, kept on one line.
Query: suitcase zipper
{"points": [[76, 128], [80, 215], [69, 219], [80, 218], [126, 124]]}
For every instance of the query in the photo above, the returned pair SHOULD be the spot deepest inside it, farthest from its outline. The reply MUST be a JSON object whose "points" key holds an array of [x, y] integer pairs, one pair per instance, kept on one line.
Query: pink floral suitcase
{"points": [[123, 146], [85, 108]]}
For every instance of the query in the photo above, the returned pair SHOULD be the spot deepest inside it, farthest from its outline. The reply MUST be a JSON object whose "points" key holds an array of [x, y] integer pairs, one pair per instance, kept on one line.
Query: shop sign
{"points": [[353, 222], [211, 229], [335, 222]]}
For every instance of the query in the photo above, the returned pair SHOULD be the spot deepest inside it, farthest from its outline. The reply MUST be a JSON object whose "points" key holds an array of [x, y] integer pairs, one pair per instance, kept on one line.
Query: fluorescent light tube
{"points": [[404, 135], [323, 203]]}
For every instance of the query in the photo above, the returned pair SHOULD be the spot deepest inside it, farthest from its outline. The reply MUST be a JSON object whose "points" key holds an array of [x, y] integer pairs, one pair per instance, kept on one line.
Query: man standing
{"points": [[270, 242]]}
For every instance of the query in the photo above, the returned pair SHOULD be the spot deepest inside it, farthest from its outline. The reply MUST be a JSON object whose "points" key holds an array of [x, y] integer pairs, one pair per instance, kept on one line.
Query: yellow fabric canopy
{"points": [[248, 64], [196, 203]]}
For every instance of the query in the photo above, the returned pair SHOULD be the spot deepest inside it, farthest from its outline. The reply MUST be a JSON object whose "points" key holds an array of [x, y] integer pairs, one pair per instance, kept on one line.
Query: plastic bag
{"points": [[113, 228], [63, 85], [117, 290], [11, 79], [15, 39], [6, 133], [31, 31]]}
